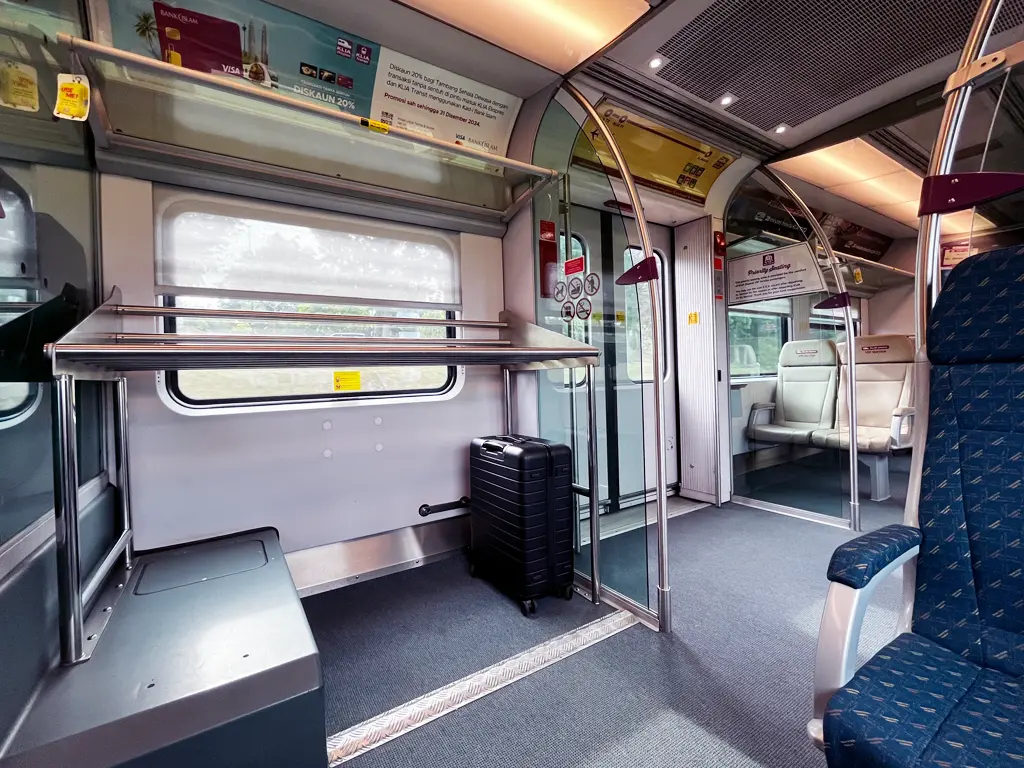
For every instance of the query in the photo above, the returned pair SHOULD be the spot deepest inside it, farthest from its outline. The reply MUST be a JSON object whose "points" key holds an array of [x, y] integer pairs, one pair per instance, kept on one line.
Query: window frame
{"points": [[662, 278], [173, 384]]}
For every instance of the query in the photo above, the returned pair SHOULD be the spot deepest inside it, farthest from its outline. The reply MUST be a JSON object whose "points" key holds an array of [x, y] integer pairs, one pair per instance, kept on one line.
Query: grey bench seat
{"points": [[207, 660]]}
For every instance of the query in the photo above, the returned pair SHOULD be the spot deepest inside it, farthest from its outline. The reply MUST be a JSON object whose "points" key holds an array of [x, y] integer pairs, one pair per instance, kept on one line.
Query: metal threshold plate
{"points": [[381, 729]]}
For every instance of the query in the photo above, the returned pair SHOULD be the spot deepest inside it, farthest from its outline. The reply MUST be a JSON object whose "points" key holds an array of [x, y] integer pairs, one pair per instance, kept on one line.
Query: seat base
{"points": [[207, 661], [916, 704]]}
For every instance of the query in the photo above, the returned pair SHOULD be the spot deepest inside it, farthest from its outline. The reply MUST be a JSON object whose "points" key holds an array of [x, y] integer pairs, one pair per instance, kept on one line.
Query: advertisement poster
{"points": [[420, 97], [755, 210], [778, 274], [846, 237], [301, 57], [659, 157], [254, 40]]}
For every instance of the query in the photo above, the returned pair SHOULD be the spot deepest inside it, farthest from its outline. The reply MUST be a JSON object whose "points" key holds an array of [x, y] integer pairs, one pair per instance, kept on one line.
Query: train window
{"points": [[225, 254], [639, 345], [829, 324], [756, 335], [17, 398]]}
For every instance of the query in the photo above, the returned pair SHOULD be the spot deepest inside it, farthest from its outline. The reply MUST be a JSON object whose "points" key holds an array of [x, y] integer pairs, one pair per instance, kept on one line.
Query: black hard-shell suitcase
{"points": [[521, 516]]}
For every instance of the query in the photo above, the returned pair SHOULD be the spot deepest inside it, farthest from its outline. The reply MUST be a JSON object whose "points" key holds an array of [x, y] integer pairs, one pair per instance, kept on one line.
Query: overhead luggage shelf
{"points": [[99, 349], [152, 110]]}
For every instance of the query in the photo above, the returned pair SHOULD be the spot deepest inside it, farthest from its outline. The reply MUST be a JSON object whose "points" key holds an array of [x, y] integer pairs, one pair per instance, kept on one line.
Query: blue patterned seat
{"points": [[950, 694]]}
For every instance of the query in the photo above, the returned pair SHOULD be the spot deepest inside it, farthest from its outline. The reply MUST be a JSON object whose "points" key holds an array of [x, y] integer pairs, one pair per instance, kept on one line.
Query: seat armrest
{"points": [[901, 416], [856, 562], [856, 570], [760, 413]]}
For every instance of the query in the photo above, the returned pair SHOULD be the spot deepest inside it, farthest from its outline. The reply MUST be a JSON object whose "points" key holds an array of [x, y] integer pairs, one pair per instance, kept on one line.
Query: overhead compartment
{"points": [[148, 111]]}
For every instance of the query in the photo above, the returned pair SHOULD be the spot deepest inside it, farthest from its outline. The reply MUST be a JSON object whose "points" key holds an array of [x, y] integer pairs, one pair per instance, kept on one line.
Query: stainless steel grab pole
{"points": [[851, 345], [592, 479], [577, 534], [928, 283], [124, 473], [664, 589], [65, 507]]}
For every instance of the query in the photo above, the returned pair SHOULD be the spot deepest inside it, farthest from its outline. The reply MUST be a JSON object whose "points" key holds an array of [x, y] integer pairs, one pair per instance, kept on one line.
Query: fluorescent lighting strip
{"points": [[396, 722]]}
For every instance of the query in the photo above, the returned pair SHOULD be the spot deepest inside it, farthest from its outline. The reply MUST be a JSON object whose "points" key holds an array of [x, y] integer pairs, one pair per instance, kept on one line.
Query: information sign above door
{"points": [[659, 157], [778, 274]]}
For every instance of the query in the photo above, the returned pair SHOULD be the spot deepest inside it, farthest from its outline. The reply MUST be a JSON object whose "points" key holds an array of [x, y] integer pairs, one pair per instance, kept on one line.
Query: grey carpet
{"points": [[730, 688], [392, 639], [820, 483]]}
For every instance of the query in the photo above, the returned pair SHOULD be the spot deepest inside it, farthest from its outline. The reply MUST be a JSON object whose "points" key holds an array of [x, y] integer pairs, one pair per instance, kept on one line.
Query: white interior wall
{"points": [[318, 475], [892, 311]]}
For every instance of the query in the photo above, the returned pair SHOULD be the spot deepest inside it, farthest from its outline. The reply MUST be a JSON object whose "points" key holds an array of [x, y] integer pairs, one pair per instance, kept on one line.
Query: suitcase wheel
{"points": [[528, 607], [566, 592]]}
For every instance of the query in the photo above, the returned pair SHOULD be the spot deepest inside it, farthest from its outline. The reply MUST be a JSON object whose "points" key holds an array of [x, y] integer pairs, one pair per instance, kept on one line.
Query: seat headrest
{"points": [[797, 354], [979, 317], [882, 348]]}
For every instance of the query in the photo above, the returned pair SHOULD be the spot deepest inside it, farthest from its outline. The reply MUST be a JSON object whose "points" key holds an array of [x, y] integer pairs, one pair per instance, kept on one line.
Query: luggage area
{"points": [[707, 695], [387, 641]]}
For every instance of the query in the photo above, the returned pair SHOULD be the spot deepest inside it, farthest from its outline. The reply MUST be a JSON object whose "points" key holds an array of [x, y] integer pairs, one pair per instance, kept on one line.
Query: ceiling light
{"points": [[727, 99], [656, 62], [781, 128], [563, 33]]}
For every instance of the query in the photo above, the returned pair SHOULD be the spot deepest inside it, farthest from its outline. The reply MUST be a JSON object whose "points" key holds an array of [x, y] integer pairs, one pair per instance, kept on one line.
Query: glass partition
{"points": [[790, 437], [990, 140], [580, 298]]}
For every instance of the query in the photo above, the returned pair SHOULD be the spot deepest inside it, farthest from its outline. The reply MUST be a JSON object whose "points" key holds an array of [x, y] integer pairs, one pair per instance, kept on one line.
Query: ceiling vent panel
{"points": [[789, 61]]}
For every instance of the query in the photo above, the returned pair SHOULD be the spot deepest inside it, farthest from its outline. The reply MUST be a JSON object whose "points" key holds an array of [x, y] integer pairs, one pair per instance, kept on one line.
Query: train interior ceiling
{"points": [[269, 270]]}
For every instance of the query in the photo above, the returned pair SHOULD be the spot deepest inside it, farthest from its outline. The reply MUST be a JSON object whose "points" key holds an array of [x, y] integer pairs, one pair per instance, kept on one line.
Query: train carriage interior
{"points": [[543, 383]]}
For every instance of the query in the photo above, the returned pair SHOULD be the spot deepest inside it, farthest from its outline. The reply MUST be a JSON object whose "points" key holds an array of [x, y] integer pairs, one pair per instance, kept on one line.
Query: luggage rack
{"points": [[99, 349]]}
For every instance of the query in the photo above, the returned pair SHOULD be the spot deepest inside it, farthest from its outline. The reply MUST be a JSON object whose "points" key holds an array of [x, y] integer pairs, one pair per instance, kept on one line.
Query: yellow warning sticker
{"points": [[693, 318], [19, 86], [347, 381], [72, 97], [620, 316], [858, 276], [375, 125]]}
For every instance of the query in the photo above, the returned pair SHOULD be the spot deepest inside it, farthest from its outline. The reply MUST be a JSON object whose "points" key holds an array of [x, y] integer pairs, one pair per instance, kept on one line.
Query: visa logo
{"points": [[460, 137], [231, 69]]}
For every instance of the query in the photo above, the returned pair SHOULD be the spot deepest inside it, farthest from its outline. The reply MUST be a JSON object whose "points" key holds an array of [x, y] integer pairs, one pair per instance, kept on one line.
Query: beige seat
{"points": [[885, 378], [805, 395]]}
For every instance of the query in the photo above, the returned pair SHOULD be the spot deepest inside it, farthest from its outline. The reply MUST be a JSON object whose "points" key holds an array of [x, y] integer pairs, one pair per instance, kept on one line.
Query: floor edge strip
{"points": [[372, 733]]}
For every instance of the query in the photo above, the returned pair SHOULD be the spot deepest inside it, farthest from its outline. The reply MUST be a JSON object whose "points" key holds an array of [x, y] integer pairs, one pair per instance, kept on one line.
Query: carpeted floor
{"points": [[392, 639], [729, 688], [820, 483], [628, 550]]}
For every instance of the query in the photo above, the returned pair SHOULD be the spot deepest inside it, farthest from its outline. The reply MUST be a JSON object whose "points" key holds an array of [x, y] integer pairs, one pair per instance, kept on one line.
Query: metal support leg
{"points": [[508, 402], [878, 469], [592, 480], [65, 505], [123, 466]]}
